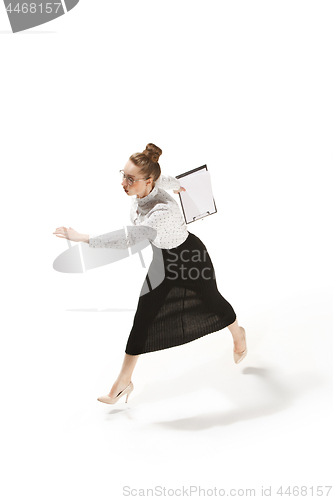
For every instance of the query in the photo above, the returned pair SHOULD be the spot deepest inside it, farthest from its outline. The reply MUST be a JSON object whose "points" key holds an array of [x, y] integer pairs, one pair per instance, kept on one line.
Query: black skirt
{"points": [[183, 306]]}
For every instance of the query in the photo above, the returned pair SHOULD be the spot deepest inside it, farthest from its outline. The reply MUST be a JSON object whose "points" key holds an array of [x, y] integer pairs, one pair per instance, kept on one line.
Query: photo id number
{"points": [[33, 8]]}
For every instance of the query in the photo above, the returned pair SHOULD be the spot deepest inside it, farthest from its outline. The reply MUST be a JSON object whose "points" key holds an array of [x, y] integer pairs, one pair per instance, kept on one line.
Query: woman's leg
{"points": [[238, 335], [125, 374]]}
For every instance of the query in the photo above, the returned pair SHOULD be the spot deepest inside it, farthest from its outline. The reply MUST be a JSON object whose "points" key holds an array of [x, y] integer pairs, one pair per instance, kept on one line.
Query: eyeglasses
{"points": [[130, 181]]}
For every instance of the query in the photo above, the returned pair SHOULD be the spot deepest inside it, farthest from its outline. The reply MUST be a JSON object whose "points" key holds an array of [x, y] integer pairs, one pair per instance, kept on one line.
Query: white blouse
{"points": [[157, 217]]}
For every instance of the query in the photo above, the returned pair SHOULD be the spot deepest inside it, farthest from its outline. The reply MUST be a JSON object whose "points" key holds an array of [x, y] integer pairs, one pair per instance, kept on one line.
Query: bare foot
{"points": [[239, 341]]}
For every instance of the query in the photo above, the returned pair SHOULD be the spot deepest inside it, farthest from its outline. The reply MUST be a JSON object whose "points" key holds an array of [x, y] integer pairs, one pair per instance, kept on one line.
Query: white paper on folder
{"points": [[198, 199]]}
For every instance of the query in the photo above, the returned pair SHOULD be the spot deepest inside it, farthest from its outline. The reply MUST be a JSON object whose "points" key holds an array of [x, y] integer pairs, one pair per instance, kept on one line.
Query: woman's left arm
{"points": [[115, 239]]}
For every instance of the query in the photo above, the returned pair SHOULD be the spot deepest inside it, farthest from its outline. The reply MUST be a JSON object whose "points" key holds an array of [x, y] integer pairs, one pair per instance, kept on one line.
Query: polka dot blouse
{"points": [[157, 217]]}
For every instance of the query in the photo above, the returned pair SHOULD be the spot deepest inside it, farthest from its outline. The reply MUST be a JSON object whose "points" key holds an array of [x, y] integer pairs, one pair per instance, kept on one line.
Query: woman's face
{"points": [[140, 188]]}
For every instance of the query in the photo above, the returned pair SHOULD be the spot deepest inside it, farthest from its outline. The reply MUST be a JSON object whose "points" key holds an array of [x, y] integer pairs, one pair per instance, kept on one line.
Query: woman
{"points": [[186, 304]]}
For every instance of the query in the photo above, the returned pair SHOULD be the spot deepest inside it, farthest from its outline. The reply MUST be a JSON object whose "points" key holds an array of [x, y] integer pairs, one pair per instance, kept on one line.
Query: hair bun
{"points": [[153, 152]]}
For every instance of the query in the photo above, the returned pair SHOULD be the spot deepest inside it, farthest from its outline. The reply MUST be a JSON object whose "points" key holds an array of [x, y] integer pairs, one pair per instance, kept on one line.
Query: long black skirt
{"points": [[185, 306]]}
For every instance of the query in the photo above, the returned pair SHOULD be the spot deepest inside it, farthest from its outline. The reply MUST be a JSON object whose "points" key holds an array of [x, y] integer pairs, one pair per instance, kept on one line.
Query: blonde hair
{"points": [[147, 161]]}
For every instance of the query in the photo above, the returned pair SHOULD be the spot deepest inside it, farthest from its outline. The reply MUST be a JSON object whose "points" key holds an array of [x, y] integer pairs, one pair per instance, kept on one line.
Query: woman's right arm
{"points": [[169, 182]]}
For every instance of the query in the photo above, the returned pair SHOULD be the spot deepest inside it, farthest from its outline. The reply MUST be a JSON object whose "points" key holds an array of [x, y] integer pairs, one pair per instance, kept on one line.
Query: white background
{"points": [[246, 88]]}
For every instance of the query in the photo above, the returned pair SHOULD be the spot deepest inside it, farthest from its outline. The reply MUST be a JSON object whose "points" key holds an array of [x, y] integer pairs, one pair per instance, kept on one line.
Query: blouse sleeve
{"points": [[119, 239], [157, 220], [168, 182]]}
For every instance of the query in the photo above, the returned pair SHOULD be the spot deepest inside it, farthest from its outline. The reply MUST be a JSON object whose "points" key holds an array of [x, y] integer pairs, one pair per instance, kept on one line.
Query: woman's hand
{"points": [[181, 189], [68, 234]]}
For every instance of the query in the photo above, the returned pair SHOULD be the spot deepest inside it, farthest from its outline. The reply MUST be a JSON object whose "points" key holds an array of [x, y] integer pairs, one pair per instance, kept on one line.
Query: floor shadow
{"points": [[27, 32], [272, 395], [94, 309]]}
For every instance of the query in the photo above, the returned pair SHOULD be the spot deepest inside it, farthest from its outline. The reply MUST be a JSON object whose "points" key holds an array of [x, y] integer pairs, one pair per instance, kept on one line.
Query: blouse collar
{"points": [[146, 199]]}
